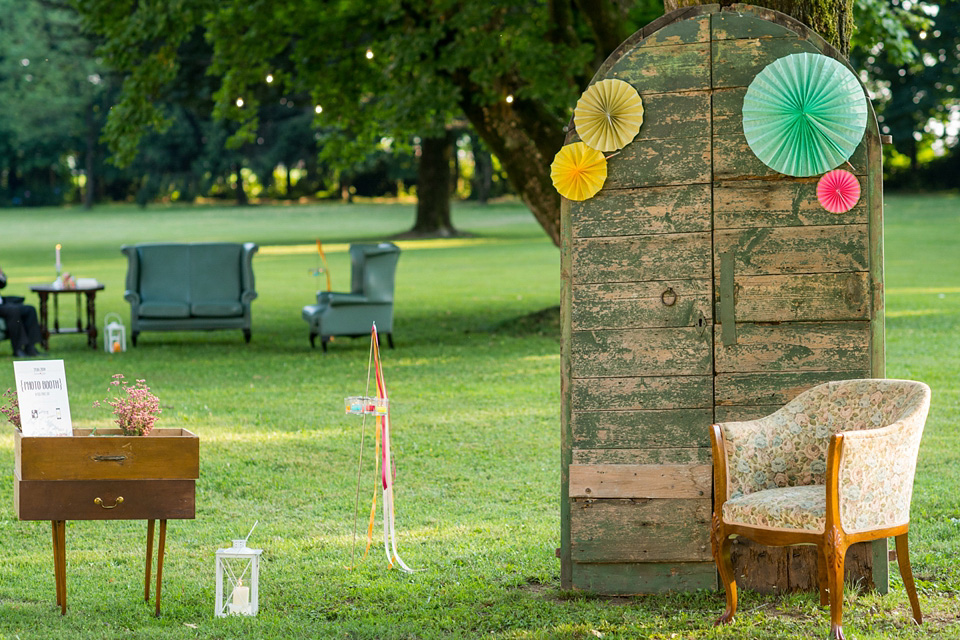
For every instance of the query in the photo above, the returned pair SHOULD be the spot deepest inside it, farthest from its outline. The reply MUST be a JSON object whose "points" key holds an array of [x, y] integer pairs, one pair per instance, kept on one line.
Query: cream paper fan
{"points": [[608, 115]]}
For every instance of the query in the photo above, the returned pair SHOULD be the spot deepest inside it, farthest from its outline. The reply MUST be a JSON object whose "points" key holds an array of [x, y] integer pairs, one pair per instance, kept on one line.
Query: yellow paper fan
{"points": [[608, 115], [578, 171]]}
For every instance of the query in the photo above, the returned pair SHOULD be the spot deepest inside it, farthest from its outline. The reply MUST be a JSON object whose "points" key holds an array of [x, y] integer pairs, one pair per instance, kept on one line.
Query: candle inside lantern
{"points": [[58, 259], [241, 599]]}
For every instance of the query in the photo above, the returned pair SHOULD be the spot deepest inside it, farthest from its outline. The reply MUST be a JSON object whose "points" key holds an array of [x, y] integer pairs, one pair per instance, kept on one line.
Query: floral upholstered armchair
{"points": [[833, 467]]}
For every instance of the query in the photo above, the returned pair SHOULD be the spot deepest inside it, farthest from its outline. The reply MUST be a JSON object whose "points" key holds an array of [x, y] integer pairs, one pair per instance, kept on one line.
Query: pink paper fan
{"points": [[838, 191]]}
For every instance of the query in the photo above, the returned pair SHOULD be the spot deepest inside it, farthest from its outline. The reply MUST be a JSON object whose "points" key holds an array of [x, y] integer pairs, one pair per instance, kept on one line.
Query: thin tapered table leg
{"points": [[146, 581], [61, 526], [160, 549], [56, 559]]}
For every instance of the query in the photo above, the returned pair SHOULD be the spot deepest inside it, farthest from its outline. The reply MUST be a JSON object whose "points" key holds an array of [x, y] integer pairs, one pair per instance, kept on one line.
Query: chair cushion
{"points": [[164, 272], [217, 309], [784, 509], [162, 309]]}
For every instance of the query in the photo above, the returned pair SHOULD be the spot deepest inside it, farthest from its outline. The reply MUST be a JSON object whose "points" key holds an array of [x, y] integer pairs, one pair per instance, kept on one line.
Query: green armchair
{"points": [[180, 287], [370, 299]]}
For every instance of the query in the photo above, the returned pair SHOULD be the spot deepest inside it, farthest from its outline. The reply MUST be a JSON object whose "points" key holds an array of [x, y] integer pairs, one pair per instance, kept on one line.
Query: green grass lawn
{"points": [[475, 408]]}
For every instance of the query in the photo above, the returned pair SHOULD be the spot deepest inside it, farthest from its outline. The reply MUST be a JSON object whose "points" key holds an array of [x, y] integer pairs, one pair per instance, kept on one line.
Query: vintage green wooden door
{"points": [[700, 286]]}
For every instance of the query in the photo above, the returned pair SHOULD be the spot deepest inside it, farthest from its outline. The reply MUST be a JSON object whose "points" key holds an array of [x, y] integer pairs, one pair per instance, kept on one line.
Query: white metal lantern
{"points": [[238, 577], [114, 334]]}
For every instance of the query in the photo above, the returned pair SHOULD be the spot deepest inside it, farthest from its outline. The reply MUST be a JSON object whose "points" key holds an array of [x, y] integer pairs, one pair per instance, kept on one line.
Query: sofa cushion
{"points": [[217, 309], [164, 309], [164, 270], [215, 274]]}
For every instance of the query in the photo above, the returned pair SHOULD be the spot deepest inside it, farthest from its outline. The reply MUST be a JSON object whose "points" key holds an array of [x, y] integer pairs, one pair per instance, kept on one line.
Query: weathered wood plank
{"points": [[663, 69], [796, 297], [737, 62], [641, 530], [640, 481], [800, 346], [653, 210], [640, 258], [684, 351], [773, 388], [662, 303], [642, 429], [740, 413], [733, 159], [657, 392], [669, 116], [684, 32], [644, 577], [784, 203], [729, 141], [779, 250], [670, 161], [727, 26], [642, 456]]}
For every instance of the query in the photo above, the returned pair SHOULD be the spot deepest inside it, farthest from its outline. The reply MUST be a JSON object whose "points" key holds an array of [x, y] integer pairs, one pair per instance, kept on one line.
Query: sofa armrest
{"points": [[247, 284], [133, 271], [132, 297]]}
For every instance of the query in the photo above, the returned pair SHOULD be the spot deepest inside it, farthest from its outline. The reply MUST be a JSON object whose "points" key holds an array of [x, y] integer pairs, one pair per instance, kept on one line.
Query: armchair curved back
{"points": [[373, 267], [789, 447], [877, 465]]}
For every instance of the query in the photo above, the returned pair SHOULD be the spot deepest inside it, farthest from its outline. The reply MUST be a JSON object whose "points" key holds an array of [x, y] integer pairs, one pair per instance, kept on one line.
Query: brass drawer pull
{"points": [[113, 506], [109, 458]]}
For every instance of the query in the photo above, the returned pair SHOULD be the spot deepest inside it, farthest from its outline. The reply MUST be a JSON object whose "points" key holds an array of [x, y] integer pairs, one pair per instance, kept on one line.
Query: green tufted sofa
{"points": [[177, 286]]}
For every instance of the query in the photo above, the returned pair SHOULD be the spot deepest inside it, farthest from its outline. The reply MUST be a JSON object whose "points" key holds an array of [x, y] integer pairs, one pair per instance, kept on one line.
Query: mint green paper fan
{"points": [[804, 114]]}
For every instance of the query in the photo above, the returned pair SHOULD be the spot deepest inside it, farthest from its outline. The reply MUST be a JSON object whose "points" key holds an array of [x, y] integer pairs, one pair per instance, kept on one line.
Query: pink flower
{"points": [[137, 410]]}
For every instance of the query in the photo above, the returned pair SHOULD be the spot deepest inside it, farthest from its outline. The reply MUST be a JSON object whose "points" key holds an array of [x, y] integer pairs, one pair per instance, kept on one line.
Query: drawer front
{"points": [[109, 458], [77, 499]]}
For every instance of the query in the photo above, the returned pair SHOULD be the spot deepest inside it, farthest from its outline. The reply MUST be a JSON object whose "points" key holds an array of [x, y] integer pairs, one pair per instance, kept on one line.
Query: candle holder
{"points": [[238, 577], [114, 334]]}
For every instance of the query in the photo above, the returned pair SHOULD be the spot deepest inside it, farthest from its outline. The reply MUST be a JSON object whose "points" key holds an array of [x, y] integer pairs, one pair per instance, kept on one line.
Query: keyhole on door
{"points": [[701, 323]]}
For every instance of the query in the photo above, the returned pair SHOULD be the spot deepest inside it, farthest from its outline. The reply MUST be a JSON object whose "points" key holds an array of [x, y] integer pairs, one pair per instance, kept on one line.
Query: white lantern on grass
{"points": [[114, 334], [238, 579]]}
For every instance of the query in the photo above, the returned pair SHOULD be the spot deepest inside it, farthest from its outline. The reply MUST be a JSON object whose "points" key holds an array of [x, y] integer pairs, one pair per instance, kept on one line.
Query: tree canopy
{"points": [[374, 70]]}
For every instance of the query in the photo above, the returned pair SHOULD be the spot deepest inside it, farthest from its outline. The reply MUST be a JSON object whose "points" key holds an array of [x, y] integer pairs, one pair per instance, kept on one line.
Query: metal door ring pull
{"points": [[116, 504], [669, 297]]}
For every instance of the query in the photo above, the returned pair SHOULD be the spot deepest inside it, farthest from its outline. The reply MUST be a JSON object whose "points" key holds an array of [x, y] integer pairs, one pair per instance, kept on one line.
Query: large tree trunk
{"points": [[433, 187], [525, 139]]}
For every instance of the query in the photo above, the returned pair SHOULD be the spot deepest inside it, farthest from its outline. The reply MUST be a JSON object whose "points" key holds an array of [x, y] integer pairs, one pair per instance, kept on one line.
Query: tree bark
{"points": [[433, 187], [241, 194], [832, 19]]}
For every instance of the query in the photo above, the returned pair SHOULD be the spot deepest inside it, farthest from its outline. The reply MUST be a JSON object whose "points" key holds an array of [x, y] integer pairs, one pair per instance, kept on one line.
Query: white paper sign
{"points": [[42, 395]]}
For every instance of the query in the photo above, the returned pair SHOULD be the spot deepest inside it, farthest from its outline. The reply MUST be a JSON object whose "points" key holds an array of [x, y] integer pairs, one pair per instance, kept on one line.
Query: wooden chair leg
{"points": [[834, 550], [721, 556], [903, 560], [160, 549], [146, 581]]}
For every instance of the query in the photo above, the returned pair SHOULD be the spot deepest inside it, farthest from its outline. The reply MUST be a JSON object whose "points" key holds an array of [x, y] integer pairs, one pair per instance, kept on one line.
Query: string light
{"points": [[369, 54], [269, 78], [239, 102], [510, 99], [318, 109]]}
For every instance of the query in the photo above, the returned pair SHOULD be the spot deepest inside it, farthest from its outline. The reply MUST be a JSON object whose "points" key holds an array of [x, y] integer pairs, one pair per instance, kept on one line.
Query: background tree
{"points": [[382, 69]]}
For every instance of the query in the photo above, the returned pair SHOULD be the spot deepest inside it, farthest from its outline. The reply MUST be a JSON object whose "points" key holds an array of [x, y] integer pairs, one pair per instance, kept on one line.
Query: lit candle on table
{"points": [[58, 258]]}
